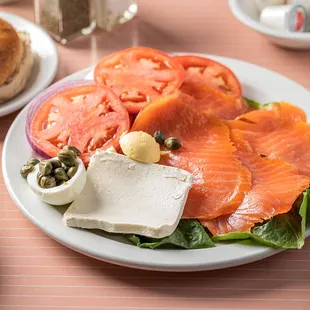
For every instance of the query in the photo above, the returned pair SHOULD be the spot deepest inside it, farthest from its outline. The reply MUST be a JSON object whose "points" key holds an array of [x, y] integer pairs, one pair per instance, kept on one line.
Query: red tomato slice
{"points": [[203, 70], [88, 117], [132, 118], [139, 75]]}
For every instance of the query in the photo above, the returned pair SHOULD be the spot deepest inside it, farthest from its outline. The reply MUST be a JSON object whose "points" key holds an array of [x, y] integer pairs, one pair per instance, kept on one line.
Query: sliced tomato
{"points": [[139, 75], [132, 118], [200, 70], [89, 117]]}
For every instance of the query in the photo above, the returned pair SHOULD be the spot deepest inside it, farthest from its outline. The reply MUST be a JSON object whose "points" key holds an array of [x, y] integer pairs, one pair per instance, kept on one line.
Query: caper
{"points": [[33, 161], [56, 163], [60, 174], [59, 182], [39, 177], [67, 157], [47, 181], [25, 170], [173, 143], [64, 167], [159, 137], [72, 171], [73, 149], [45, 167]]}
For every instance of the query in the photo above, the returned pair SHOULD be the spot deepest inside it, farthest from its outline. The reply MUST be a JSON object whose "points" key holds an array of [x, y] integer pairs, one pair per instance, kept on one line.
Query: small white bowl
{"points": [[62, 194], [247, 12]]}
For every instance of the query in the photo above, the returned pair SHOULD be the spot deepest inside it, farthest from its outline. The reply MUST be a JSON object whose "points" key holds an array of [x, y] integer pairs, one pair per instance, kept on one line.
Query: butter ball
{"points": [[140, 146]]}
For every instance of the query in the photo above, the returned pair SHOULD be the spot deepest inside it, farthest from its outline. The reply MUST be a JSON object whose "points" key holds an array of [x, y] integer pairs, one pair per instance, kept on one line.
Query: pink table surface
{"points": [[38, 273]]}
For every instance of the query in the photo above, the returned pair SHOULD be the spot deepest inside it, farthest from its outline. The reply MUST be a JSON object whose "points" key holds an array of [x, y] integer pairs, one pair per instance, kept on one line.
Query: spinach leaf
{"points": [[189, 234]]}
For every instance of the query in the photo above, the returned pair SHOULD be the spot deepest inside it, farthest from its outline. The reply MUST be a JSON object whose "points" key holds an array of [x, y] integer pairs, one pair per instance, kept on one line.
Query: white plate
{"points": [[45, 66], [258, 83]]}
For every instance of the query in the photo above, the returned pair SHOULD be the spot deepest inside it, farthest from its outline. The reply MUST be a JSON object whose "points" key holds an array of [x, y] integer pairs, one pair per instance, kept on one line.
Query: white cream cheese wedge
{"points": [[125, 196]]}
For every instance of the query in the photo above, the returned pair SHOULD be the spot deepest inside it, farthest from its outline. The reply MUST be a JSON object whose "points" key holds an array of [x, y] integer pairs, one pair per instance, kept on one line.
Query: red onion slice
{"points": [[39, 100]]}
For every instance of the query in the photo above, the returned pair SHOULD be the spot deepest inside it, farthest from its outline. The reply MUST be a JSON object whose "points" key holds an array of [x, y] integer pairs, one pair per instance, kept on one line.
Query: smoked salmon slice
{"points": [[290, 145], [275, 116], [279, 133], [210, 101], [276, 185], [221, 181]]}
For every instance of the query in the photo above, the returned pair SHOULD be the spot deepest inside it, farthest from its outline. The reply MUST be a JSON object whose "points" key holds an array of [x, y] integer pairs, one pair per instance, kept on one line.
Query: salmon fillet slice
{"points": [[221, 181], [276, 185]]}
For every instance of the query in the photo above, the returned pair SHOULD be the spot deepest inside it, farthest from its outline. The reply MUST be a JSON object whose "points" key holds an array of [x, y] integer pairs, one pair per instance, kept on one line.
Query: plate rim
{"points": [[138, 263], [13, 107]]}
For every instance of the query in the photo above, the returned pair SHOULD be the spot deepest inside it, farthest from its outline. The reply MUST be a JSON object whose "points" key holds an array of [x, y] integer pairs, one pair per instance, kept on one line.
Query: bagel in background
{"points": [[16, 61]]}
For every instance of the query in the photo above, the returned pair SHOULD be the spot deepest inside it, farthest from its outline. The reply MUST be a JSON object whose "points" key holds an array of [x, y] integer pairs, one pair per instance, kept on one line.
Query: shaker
{"points": [[65, 19]]}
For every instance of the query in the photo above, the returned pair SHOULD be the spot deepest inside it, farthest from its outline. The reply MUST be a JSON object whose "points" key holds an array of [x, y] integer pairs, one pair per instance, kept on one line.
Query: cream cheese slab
{"points": [[125, 196]]}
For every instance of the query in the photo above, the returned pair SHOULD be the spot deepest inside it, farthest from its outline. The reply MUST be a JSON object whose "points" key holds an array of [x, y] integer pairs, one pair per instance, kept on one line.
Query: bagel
{"points": [[16, 61]]}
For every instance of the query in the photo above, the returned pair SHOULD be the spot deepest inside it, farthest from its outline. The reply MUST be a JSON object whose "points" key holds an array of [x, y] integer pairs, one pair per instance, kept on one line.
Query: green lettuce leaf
{"points": [[255, 105], [252, 103], [189, 234], [282, 231], [308, 210]]}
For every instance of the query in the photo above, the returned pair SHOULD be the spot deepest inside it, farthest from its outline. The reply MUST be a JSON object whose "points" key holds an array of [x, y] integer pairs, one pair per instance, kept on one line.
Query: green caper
{"points": [[159, 137], [33, 161], [47, 181], [67, 157], [173, 143], [39, 177], [56, 163], [73, 149], [64, 167], [59, 182], [72, 171], [25, 170], [60, 174], [45, 167]]}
